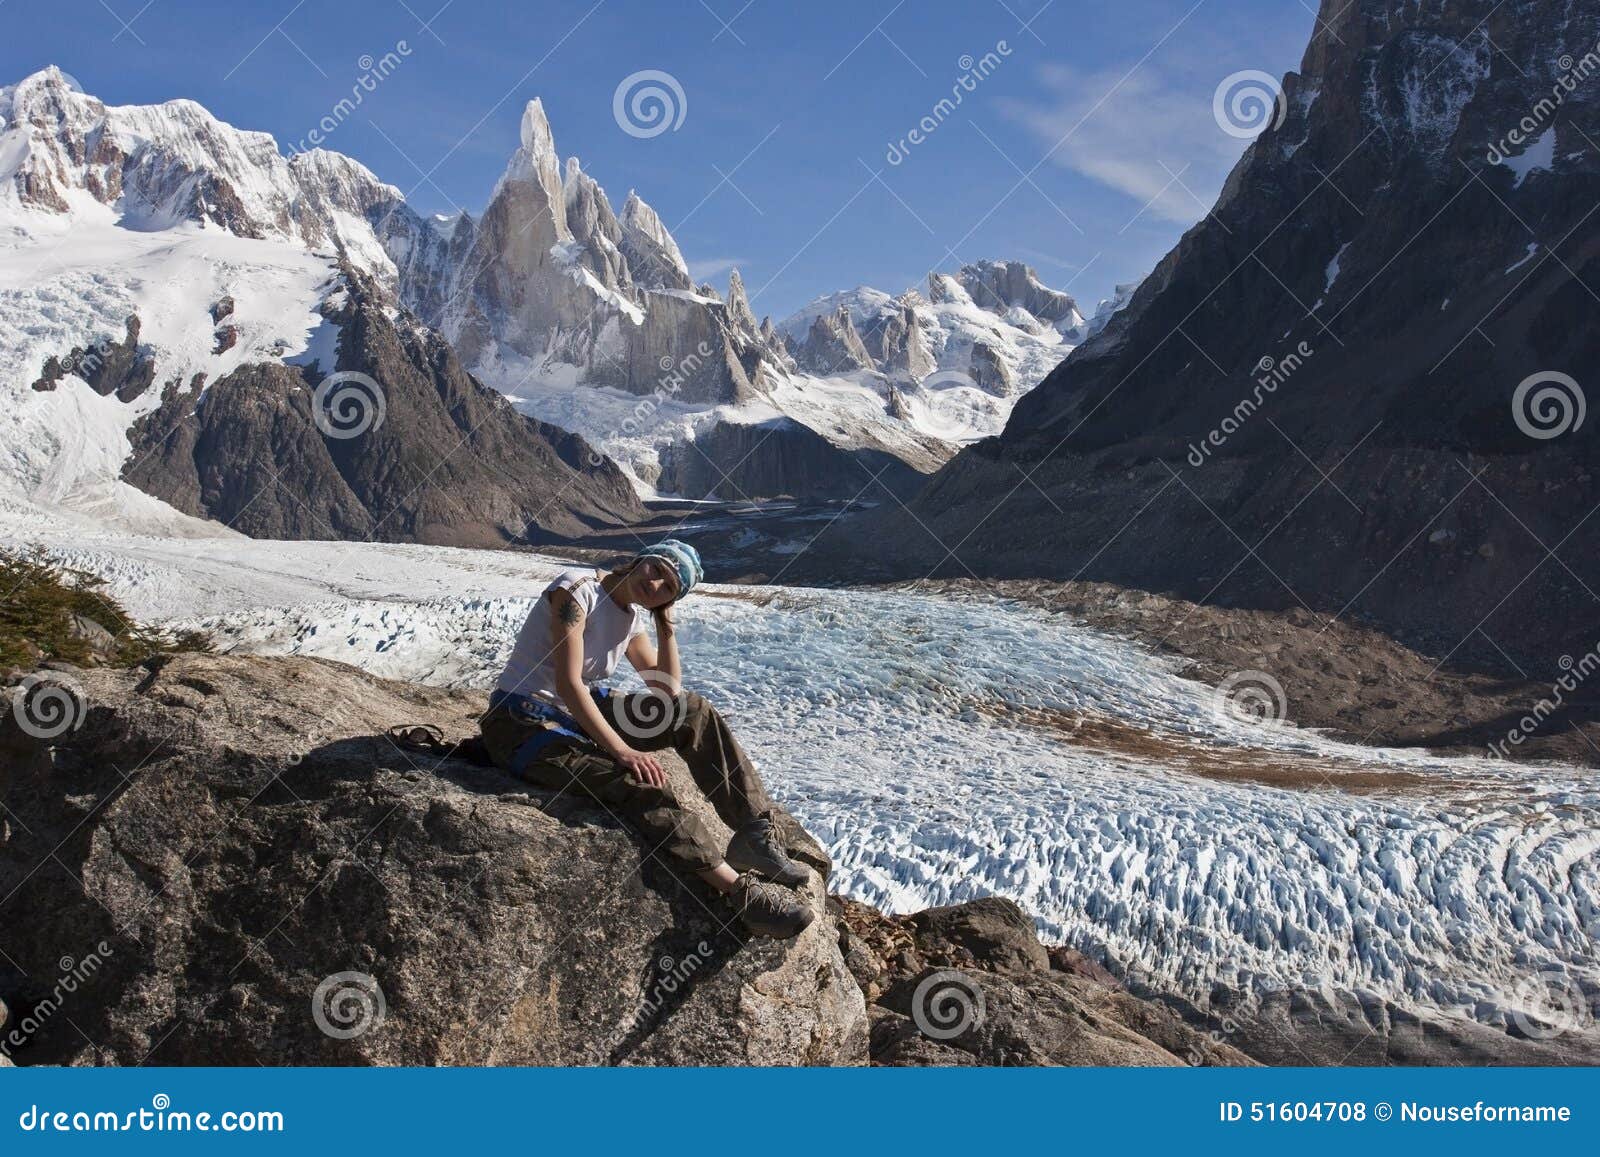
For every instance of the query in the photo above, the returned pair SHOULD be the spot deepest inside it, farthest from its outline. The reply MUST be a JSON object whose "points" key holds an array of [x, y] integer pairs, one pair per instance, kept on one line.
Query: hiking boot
{"points": [[757, 847], [767, 909]]}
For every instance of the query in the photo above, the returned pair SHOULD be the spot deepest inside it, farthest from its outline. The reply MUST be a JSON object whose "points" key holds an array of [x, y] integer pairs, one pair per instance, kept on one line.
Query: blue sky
{"points": [[1085, 149]]}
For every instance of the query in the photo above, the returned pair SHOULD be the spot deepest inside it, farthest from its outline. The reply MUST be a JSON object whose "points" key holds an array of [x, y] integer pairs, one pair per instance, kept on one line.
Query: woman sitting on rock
{"points": [[551, 723]]}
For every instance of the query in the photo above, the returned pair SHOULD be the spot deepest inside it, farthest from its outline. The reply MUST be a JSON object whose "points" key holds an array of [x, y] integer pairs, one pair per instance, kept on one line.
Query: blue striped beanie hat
{"points": [[681, 557]]}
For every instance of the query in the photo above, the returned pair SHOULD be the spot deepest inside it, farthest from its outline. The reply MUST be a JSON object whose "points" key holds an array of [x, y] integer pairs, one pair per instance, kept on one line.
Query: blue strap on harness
{"points": [[560, 725]]}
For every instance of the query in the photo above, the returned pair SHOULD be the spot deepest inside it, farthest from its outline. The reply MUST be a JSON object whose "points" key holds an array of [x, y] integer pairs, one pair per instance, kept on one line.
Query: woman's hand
{"points": [[646, 768], [663, 617]]}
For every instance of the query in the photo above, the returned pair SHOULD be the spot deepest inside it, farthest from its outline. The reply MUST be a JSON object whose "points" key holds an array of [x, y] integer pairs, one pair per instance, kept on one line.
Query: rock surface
{"points": [[970, 984], [233, 833]]}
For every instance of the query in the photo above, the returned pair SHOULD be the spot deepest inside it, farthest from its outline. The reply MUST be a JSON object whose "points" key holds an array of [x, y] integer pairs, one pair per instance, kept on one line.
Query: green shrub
{"points": [[39, 601]]}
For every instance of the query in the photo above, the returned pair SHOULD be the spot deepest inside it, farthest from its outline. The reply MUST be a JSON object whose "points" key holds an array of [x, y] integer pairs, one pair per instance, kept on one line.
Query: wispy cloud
{"points": [[713, 267], [1153, 138]]}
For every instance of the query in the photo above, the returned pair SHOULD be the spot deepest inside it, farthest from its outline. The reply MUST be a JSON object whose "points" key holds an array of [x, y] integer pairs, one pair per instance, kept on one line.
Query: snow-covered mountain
{"points": [[577, 311], [587, 318], [172, 291], [953, 361]]}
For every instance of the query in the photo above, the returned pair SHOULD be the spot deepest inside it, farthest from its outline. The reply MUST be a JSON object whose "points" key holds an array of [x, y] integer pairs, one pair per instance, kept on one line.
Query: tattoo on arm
{"points": [[571, 615]]}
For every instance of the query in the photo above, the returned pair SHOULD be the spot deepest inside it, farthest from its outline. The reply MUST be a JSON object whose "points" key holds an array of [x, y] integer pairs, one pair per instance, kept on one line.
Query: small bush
{"points": [[41, 604]]}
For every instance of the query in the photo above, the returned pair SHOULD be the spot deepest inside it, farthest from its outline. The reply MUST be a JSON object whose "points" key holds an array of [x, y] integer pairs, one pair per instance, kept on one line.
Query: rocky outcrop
{"points": [[833, 346], [259, 877], [653, 256], [430, 455], [1000, 286], [897, 343], [971, 985], [1331, 362], [988, 370], [111, 367]]}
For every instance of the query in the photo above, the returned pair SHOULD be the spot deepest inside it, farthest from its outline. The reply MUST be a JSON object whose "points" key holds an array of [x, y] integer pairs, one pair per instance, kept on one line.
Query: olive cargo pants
{"points": [[547, 748]]}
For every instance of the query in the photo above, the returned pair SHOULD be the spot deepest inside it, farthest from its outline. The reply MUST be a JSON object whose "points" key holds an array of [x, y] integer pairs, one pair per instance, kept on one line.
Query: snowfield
{"points": [[1067, 769]]}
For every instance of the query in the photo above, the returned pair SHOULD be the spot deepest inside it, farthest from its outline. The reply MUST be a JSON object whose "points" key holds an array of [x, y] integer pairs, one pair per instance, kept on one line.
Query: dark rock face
{"points": [[970, 984], [988, 370], [235, 835], [252, 454], [1374, 207], [109, 366], [833, 346], [778, 458]]}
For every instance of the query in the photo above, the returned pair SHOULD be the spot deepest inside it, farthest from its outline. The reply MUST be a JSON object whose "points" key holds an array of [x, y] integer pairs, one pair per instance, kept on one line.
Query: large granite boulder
{"points": [[227, 862]]}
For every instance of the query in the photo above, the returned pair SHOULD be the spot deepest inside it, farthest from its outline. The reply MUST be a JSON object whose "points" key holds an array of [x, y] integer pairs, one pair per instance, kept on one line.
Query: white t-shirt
{"points": [[607, 631]]}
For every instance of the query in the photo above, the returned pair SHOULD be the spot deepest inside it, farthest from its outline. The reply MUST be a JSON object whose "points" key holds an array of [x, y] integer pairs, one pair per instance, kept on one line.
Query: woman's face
{"points": [[654, 584]]}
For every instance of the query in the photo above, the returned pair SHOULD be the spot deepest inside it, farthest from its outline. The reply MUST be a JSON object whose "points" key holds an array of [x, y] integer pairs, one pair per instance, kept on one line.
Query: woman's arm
{"points": [[658, 663], [566, 628]]}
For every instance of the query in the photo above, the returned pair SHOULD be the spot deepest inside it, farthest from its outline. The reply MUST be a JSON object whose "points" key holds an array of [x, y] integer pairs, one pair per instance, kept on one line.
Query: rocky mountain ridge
{"points": [[549, 295], [1357, 386]]}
